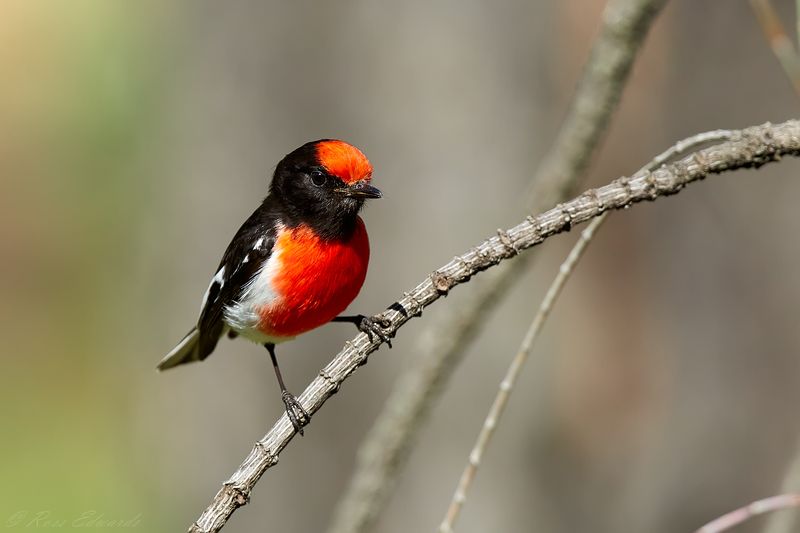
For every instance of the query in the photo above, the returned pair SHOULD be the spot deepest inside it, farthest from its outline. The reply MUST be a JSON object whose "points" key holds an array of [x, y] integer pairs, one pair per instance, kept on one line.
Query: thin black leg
{"points": [[298, 416], [372, 326]]}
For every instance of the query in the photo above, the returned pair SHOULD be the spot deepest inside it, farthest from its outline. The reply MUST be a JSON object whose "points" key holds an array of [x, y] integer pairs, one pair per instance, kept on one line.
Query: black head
{"points": [[324, 184]]}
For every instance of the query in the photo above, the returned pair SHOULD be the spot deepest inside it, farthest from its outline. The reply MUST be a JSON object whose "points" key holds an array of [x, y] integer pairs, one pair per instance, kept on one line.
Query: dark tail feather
{"points": [[186, 351]]}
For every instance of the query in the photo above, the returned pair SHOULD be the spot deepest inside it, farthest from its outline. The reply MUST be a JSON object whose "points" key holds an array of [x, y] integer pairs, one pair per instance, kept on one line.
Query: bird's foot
{"points": [[298, 416], [374, 326]]}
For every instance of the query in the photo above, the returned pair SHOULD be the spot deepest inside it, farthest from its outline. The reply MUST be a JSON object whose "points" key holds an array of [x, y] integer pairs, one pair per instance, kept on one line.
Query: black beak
{"points": [[361, 189]]}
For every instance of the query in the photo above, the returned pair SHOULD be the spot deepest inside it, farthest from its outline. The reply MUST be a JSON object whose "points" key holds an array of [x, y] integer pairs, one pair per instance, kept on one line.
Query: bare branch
{"points": [[386, 446], [734, 518], [748, 148], [507, 385]]}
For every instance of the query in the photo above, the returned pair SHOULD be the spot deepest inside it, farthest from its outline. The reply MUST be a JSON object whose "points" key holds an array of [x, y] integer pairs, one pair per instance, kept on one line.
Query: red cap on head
{"points": [[344, 161]]}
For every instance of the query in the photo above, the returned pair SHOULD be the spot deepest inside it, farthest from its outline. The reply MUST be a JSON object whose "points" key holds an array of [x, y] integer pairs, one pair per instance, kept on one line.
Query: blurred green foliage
{"points": [[80, 98]]}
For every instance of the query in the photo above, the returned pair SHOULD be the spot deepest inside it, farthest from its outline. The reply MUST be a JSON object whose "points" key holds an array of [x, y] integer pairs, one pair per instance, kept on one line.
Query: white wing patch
{"points": [[219, 279]]}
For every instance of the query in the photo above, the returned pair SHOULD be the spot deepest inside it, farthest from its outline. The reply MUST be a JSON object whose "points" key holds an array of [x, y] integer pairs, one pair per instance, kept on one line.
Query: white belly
{"points": [[243, 316]]}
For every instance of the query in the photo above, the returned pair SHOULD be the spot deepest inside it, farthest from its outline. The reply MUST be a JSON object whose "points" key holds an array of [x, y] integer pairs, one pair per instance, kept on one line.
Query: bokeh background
{"points": [[135, 137]]}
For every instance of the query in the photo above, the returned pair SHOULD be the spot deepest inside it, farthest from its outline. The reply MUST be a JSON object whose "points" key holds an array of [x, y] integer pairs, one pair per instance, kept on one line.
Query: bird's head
{"points": [[326, 179]]}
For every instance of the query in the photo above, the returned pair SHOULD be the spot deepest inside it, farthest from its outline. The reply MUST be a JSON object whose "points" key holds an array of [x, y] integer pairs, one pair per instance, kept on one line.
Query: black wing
{"points": [[250, 248]]}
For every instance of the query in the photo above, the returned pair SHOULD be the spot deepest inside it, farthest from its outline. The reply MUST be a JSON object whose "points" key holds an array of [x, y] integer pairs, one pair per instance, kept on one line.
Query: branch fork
{"points": [[751, 147]]}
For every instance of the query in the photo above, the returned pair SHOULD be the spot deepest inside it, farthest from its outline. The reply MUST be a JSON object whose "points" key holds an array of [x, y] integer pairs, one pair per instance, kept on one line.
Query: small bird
{"points": [[295, 264]]}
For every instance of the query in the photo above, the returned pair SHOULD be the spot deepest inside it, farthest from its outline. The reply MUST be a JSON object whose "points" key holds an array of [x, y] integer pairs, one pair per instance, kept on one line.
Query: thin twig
{"points": [[507, 385], [690, 143], [797, 20], [748, 148], [386, 447], [778, 40], [767, 505], [782, 522], [510, 379]]}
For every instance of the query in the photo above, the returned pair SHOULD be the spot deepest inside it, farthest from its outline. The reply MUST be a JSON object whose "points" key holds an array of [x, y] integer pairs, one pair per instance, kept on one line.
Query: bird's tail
{"points": [[186, 351]]}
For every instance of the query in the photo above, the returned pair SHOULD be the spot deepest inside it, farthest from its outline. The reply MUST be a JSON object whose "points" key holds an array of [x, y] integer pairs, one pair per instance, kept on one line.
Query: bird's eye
{"points": [[318, 178]]}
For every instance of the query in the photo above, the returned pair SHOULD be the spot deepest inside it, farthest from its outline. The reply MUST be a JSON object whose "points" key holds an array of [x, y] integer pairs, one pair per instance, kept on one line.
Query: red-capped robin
{"points": [[295, 264]]}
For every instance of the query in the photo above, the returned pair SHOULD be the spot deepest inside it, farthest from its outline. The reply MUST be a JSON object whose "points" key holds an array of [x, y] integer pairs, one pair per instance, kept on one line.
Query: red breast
{"points": [[315, 279]]}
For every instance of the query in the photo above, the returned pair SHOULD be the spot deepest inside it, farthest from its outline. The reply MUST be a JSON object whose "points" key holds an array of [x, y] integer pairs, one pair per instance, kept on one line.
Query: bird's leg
{"points": [[298, 416], [373, 326]]}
